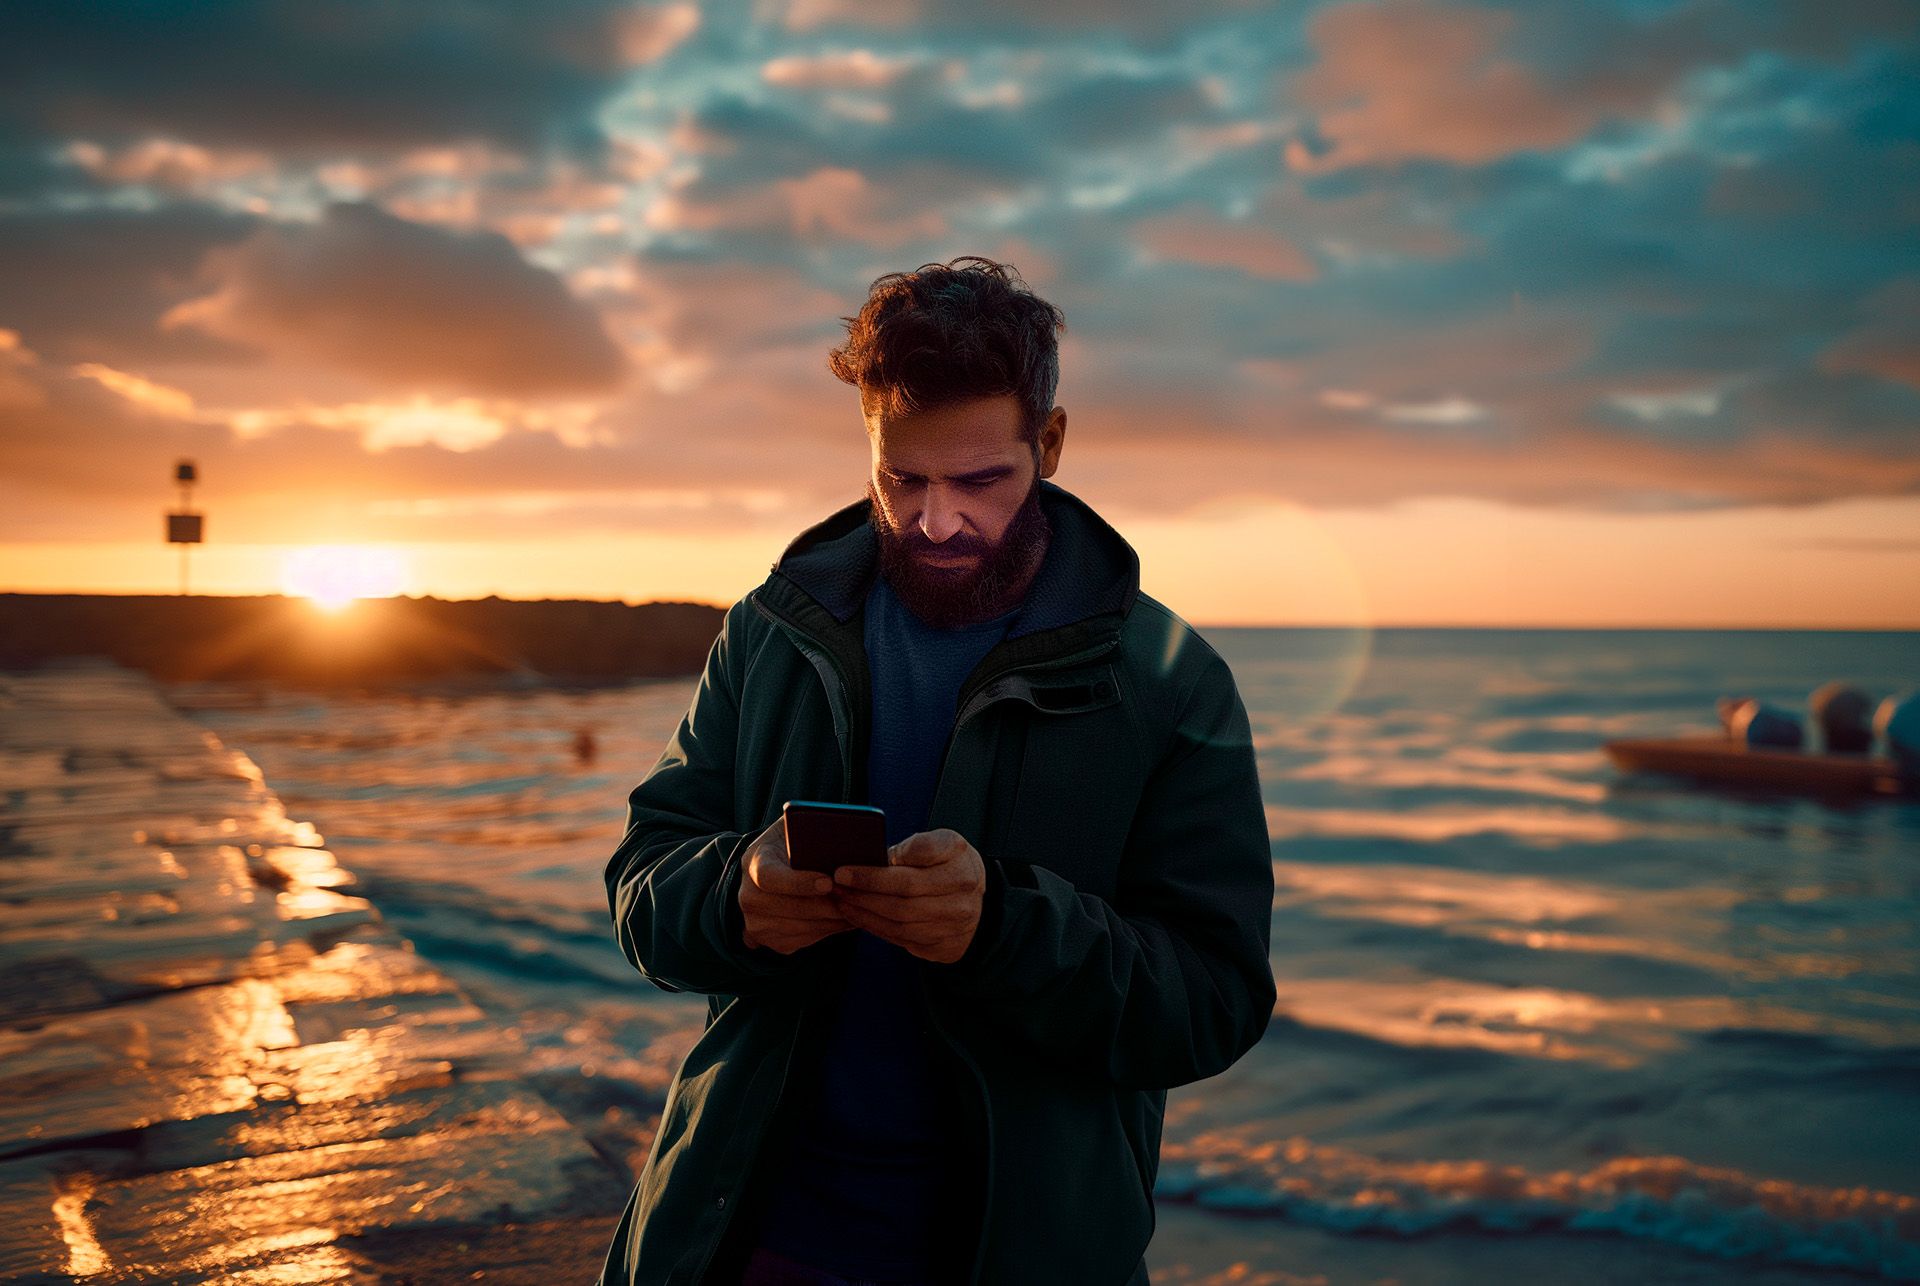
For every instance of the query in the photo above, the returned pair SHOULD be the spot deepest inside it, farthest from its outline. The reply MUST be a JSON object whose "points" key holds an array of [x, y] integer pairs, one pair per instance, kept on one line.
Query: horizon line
{"points": [[1584, 627]]}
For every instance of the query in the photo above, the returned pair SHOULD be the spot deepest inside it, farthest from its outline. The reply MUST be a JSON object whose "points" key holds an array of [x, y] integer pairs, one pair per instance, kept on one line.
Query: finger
{"points": [[942, 952], [772, 875], [790, 924], [952, 907], [788, 943], [784, 903], [928, 848], [901, 935], [906, 881], [834, 916]]}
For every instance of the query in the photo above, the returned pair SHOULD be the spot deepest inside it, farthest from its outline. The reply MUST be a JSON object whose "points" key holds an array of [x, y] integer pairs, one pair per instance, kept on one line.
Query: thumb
{"points": [[927, 848]]}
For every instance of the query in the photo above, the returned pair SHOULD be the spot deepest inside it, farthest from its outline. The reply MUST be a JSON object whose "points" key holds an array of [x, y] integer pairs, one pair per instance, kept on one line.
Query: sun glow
{"points": [[334, 575]]}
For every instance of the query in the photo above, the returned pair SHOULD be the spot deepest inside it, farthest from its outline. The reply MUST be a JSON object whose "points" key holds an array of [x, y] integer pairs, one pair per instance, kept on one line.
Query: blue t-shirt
{"points": [[859, 1190]]}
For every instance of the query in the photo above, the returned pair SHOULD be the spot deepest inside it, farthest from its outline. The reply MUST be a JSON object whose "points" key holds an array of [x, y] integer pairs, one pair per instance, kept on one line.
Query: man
{"points": [[952, 1068]]}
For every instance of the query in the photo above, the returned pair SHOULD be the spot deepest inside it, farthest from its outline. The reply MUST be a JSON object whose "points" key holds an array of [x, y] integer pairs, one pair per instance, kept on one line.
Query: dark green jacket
{"points": [[1101, 762]]}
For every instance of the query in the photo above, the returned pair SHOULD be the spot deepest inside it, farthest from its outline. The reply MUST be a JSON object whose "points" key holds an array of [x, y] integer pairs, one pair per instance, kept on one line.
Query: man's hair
{"points": [[949, 332]]}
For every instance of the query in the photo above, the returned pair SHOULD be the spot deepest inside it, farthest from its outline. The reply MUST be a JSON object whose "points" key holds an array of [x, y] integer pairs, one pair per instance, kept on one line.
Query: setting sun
{"points": [[334, 575]]}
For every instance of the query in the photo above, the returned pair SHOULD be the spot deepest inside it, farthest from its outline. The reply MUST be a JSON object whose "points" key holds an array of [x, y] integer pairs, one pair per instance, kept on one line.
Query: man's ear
{"points": [[1053, 436]]}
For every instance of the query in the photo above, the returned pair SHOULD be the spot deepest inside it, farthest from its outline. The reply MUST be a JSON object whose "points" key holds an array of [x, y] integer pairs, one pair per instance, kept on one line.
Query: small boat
{"points": [[1723, 760]]}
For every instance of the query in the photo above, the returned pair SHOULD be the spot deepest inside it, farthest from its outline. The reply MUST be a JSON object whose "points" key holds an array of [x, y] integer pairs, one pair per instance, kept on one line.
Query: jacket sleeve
{"points": [[1171, 981], [673, 883]]}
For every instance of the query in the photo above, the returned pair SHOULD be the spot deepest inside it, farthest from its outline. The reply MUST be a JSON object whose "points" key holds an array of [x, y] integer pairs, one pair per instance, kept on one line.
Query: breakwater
{"points": [[367, 641]]}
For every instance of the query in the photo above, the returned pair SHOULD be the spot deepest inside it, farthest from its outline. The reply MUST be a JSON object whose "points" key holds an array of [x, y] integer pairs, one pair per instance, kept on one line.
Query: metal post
{"points": [[184, 526]]}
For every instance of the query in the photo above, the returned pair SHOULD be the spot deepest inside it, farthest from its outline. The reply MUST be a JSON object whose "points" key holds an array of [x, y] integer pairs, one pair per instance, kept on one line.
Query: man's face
{"points": [[956, 503]]}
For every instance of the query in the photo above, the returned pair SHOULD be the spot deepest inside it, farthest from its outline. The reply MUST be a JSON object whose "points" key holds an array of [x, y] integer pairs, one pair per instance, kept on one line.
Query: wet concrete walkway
{"points": [[215, 1067]]}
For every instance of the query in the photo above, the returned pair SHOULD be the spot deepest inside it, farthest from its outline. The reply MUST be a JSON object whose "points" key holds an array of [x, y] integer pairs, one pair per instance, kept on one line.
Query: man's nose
{"points": [[940, 517]]}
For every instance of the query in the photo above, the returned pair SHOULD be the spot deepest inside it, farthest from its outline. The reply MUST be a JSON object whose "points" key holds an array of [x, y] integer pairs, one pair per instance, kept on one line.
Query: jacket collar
{"points": [[1090, 575]]}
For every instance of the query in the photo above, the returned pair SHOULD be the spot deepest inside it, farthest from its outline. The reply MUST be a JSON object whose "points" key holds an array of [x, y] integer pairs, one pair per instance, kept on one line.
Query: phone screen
{"points": [[823, 836]]}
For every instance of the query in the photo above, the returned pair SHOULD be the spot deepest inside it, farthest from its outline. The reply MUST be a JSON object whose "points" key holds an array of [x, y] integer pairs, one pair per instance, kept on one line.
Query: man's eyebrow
{"points": [[977, 475]]}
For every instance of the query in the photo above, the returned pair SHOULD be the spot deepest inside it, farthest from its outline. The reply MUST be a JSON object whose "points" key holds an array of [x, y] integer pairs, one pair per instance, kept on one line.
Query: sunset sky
{"points": [[1402, 312]]}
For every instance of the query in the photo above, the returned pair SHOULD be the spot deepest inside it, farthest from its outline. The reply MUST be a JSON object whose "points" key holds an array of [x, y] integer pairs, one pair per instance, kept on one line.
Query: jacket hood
{"points": [[1089, 570]]}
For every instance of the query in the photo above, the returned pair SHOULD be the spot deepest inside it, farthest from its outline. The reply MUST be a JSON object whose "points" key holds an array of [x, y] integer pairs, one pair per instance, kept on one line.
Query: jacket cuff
{"points": [[993, 918], [730, 924]]}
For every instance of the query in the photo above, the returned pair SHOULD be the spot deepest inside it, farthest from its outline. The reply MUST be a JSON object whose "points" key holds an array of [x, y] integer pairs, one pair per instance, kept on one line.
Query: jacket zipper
{"points": [[836, 685], [786, 1069], [986, 1116], [973, 704], [837, 688]]}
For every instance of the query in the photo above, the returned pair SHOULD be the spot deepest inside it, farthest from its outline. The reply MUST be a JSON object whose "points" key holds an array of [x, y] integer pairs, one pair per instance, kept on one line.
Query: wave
{"points": [[1564, 1024], [1468, 771], [546, 944], [1539, 827], [1710, 1210]]}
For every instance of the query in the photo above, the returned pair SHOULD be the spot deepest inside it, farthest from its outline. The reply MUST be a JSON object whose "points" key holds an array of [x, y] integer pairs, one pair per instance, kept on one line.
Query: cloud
{"points": [[1035, 122], [1887, 343], [830, 202], [92, 284], [161, 399], [1468, 83], [1400, 79], [84, 463], [1198, 236], [1365, 464], [1856, 545], [1147, 21], [166, 163], [693, 319], [836, 69], [17, 390], [326, 75], [409, 304], [1613, 255]]}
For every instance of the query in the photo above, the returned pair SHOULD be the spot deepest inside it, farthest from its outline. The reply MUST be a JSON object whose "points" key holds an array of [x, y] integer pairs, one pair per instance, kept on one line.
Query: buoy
{"points": [[1898, 723], [1758, 723], [1844, 715], [1728, 708]]}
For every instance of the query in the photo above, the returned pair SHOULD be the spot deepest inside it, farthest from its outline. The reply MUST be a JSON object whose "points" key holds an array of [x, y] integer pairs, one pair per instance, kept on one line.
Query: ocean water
{"points": [[1535, 1018]]}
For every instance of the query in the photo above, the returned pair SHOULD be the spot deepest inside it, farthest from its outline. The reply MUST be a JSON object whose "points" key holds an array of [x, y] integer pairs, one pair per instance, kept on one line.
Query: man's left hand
{"points": [[926, 899]]}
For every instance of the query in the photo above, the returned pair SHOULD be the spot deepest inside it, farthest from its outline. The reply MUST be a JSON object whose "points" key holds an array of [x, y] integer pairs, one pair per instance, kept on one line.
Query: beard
{"points": [[949, 597]]}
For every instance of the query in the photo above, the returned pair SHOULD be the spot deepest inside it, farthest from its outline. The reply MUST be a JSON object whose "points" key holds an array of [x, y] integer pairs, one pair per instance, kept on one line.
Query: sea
{"points": [[1537, 1020]]}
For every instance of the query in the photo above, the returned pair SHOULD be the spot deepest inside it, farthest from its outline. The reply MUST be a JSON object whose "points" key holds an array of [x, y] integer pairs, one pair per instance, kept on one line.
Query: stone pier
{"points": [[214, 1067]]}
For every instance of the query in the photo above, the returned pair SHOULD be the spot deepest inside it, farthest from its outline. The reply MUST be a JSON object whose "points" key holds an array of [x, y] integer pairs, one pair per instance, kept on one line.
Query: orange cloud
{"points": [[167, 163], [828, 203], [1401, 79], [839, 69], [406, 304], [161, 399], [1201, 237], [808, 15], [643, 35], [1888, 345], [17, 391], [687, 319]]}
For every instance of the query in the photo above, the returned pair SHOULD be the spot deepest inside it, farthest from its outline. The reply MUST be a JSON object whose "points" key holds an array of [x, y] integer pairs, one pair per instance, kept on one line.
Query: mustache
{"points": [[918, 544]]}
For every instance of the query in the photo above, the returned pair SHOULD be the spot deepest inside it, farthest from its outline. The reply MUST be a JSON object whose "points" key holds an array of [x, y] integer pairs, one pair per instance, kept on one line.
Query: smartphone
{"points": [[822, 836]]}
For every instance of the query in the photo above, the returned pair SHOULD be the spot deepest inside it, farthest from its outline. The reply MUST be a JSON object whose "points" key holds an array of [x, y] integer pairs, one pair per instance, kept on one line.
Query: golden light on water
{"points": [[334, 575], [85, 1255]]}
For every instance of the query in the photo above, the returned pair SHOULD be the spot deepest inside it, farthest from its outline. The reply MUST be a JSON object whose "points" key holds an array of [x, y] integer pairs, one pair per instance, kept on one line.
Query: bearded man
{"points": [[951, 1068]]}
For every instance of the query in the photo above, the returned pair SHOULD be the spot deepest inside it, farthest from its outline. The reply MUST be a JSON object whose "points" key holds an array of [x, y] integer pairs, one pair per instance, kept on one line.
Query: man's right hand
{"points": [[784, 909]]}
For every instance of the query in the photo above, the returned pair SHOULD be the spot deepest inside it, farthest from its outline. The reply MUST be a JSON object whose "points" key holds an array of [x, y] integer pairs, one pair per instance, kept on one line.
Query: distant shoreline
{"points": [[374, 641]]}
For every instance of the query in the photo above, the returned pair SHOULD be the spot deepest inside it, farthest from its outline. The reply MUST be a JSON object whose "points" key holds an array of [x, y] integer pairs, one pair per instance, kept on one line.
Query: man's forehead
{"points": [[957, 438], [936, 459]]}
